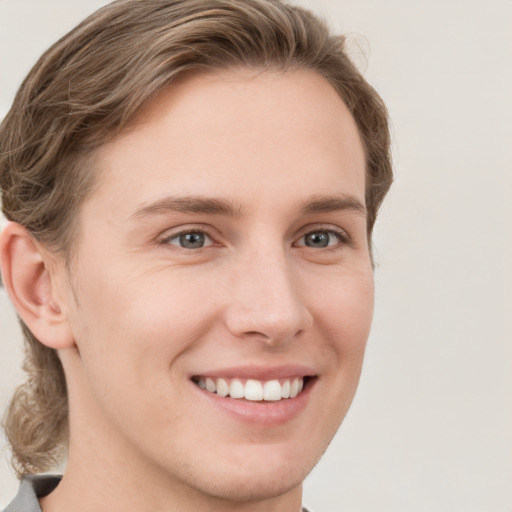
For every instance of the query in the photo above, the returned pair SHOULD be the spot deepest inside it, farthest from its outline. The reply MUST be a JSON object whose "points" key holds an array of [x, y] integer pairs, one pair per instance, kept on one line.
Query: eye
{"points": [[320, 239], [190, 240]]}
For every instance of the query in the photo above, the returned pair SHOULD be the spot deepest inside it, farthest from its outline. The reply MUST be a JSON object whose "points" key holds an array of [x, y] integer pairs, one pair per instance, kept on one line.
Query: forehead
{"points": [[233, 134]]}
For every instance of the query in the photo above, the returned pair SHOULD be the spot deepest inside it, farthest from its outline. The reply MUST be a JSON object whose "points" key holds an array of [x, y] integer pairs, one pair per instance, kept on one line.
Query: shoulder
{"points": [[31, 488]]}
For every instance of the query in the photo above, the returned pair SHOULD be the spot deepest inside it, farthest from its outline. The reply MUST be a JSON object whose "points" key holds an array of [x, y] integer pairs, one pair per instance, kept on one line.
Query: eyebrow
{"points": [[190, 204], [218, 206], [326, 204]]}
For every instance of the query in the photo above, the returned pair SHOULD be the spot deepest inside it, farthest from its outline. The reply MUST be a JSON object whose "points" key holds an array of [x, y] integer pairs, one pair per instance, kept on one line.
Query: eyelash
{"points": [[167, 240], [342, 237]]}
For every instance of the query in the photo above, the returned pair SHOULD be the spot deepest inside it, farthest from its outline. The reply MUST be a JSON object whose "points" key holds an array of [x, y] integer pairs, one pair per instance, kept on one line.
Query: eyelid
{"points": [[343, 236], [170, 234]]}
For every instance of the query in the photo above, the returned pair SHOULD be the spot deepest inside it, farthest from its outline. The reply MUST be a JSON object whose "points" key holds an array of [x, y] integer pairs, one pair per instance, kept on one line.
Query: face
{"points": [[225, 247]]}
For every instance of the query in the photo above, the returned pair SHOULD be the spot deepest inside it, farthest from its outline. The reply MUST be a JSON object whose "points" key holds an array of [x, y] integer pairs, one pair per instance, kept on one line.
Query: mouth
{"points": [[258, 396], [253, 390]]}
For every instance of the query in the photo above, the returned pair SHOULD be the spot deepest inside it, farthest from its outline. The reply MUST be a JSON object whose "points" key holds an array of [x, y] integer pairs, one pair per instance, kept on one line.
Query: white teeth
{"points": [[272, 390], [294, 388], [285, 391], [253, 390], [222, 387], [236, 389], [210, 385]]}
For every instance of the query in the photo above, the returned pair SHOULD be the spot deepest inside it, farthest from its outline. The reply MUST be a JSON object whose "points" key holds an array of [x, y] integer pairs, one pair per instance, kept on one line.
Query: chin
{"points": [[257, 478], [254, 486]]}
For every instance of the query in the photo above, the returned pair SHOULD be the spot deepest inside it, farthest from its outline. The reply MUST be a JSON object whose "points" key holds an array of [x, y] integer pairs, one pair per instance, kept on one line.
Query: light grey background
{"points": [[431, 427]]}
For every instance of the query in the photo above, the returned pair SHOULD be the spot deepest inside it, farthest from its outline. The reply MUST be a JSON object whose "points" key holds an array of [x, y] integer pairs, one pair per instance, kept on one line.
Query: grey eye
{"points": [[320, 239], [191, 240]]}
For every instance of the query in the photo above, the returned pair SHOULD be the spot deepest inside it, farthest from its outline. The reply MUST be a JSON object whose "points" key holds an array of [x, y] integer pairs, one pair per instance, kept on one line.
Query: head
{"points": [[114, 83]]}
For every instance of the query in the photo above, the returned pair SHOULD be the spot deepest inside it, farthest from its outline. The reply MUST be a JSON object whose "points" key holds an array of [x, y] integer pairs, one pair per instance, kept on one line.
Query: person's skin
{"points": [[270, 167]]}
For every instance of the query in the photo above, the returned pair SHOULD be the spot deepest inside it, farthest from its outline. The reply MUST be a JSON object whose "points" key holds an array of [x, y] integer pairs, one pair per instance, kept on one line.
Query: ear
{"points": [[29, 275]]}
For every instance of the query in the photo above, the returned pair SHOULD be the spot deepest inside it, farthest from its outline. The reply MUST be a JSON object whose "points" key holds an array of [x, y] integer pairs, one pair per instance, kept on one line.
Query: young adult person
{"points": [[190, 188]]}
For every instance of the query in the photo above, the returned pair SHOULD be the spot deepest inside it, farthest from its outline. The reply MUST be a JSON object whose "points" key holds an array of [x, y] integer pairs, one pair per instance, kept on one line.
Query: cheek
{"points": [[344, 308], [343, 312], [140, 321]]}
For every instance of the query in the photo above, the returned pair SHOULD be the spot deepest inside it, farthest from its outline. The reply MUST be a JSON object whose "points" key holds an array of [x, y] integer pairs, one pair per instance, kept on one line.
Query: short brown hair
{"points": [[89, 86]]}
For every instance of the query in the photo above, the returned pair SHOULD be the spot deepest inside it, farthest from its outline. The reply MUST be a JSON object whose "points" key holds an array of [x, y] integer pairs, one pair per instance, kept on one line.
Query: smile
{"points": [[252, 389]]}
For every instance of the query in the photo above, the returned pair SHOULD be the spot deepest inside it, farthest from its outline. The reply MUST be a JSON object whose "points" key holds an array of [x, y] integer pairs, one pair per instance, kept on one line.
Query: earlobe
{"points": [[29, 280]]}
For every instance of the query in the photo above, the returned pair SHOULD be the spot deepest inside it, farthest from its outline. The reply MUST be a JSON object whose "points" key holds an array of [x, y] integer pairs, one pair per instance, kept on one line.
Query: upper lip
{"points": [[263, 373]]}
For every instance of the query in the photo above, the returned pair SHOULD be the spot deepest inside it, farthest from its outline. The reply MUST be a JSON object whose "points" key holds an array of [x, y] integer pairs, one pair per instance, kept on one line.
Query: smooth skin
{"points": [[227, 230]]}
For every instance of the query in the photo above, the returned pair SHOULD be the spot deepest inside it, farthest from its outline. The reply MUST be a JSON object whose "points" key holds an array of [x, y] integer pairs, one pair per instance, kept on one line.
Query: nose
{"points": [[266, 302]]}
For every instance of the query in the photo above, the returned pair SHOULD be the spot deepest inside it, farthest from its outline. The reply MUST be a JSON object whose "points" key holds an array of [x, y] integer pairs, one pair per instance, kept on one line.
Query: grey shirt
{"points": [[32, 488]]}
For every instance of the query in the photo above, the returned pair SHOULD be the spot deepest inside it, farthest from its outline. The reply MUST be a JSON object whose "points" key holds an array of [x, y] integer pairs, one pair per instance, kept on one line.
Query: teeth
{"points": [[285, 390], [210, 385], [253, 390], [272, 390], [222, 387], [236, 389], [294, 388]]}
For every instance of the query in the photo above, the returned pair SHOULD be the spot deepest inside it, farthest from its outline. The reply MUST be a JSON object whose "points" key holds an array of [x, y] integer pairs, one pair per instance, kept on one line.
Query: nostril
{"points": [[257, 333]]}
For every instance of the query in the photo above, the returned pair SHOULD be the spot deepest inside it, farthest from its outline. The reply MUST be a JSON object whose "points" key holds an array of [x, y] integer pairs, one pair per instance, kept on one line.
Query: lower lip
{"points": [[264, 412]]}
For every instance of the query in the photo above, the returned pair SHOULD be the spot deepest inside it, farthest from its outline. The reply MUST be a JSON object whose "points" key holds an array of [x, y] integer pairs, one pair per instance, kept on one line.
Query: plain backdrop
{"points": [[431, 425]]}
